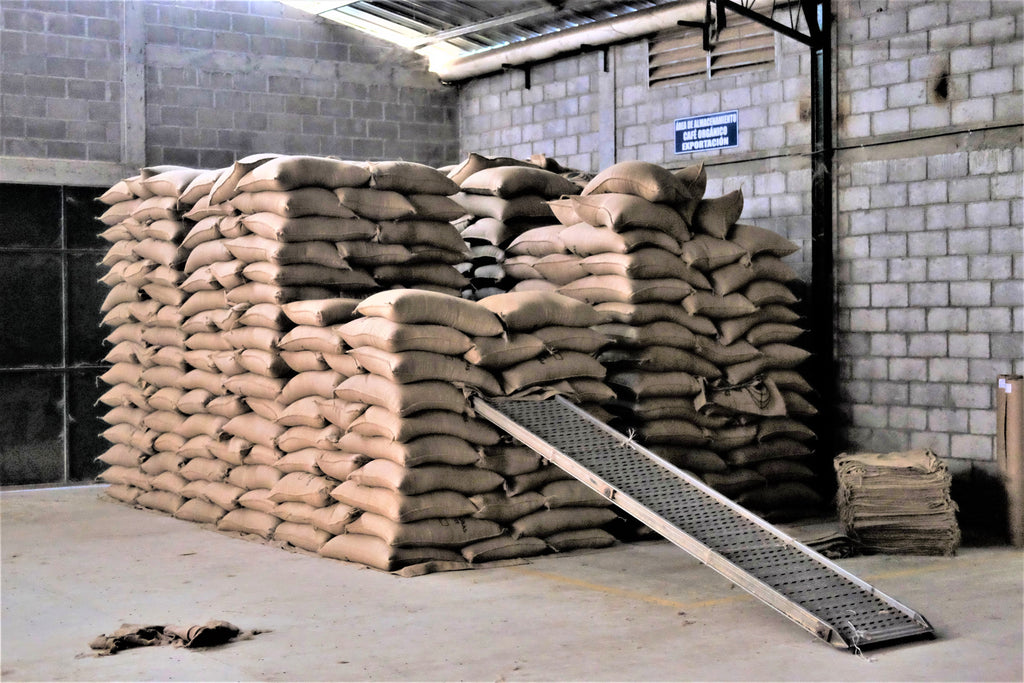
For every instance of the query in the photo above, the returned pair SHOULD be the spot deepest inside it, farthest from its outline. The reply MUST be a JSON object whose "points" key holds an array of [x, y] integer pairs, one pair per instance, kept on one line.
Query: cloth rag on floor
{"points": [[138, 635]]}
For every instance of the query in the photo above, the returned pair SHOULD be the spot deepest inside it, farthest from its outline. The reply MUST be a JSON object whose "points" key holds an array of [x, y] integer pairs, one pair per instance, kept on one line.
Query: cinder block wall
{"points": [[929, 172], [118, 85], [928, 192]]}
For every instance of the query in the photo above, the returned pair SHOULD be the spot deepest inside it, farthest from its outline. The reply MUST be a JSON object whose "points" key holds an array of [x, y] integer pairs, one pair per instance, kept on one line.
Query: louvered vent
{"points": [[677, 56]]}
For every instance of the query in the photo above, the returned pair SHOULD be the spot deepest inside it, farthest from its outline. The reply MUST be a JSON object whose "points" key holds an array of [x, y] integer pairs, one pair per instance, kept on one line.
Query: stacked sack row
{"points": [[236, 400], [439, 484], [700, 315], [503, 198]]}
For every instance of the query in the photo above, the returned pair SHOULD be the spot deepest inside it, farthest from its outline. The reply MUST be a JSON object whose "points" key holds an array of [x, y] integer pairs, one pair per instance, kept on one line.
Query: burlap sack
{"points": [[304, 412], [586, 240], [231, 451], [779, 427], [571, 493], [304, 536], [532, 481], [200, 511], [509, 459], [258, 500], [643, 385], [725, 439], [396, 337], [123, 455], [417, 366], [780, 470], [580, 539], [547, 522], [715, 216], [291, 172], [306, 384], [375, 205], [722, 354], [320, 312], [338, 464], [251, 385], [299, 274], [503, 547], [661, 359], [706, 253], [734, 328], [697, 460], [757, 396], [549, 369], [435, 207], [261, 524], [164, 501], [339, 412], [253, 248], [404, 399], [421, 232], [411, 306], [254, 429], [303, 487], [506, 210], [734, 482], [375, 552], [644, 263], [649, 181], [334, 518], [305, 201], [301, 437], [304, 361], [312, 338], [254, 476], [561, 269], [415, 274], [156, 208], [409, 177], [488, 231], [657, 333], [301, 460], [757, 240], [526, 311], [625, 212], [304, 228], [258, 293], [430, 449], [581, 339], [714, 306], [644, 314], [773, 333], [514, 181], [674, 431], [399, 507], [765, 292], [467, 479]]}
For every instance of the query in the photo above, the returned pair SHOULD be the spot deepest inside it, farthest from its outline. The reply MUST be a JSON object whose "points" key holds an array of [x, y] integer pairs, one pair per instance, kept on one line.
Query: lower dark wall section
{"points": [[51, 346]]}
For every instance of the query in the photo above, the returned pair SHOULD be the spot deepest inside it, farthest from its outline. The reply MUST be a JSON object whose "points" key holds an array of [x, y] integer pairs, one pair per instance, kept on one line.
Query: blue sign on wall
{"points": [[711, 131]]}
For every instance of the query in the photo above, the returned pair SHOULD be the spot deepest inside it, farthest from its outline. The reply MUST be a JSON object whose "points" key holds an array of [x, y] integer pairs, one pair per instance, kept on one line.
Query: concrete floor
{"points": [[74, 566]]}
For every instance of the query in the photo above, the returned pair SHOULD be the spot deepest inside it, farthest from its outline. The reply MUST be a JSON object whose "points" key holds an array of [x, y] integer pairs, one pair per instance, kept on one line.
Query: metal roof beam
{"points": [[487, 24]]}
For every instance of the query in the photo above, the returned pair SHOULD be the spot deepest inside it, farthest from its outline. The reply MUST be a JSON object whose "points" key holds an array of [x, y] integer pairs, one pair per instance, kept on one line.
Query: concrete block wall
{"points": [[111, 86], [61, 80], [929, 238], [928, 208]]}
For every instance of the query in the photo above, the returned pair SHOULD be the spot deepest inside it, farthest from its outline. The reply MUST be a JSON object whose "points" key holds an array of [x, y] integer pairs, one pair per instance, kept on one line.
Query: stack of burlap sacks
{"points": [[700, 314], [236, 400], [897, 503], [503, 198]]}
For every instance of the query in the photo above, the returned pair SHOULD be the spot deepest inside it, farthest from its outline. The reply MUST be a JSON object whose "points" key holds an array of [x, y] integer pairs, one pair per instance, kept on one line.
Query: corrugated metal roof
{"points": [[443, 30]]}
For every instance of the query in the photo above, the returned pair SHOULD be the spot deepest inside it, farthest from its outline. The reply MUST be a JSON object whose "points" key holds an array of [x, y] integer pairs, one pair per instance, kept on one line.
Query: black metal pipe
{"points": [[822, 298]]}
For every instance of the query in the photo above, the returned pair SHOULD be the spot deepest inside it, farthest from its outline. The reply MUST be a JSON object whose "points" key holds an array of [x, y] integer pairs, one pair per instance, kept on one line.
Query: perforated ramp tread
{"points": [[803, 585]]}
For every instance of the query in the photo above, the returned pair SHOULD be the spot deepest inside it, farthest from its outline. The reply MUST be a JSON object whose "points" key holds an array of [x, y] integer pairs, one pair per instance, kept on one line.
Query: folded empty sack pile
{"points": [[897, 503], [267, 378]]}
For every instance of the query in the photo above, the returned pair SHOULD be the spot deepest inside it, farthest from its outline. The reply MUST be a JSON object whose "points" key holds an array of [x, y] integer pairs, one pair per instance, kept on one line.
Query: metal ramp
{"points": [[803, 585]]}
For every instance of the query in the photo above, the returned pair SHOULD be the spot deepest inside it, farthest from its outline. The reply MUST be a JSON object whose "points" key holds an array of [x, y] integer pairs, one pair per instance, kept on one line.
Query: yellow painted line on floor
{"points": [[623, 593]]}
